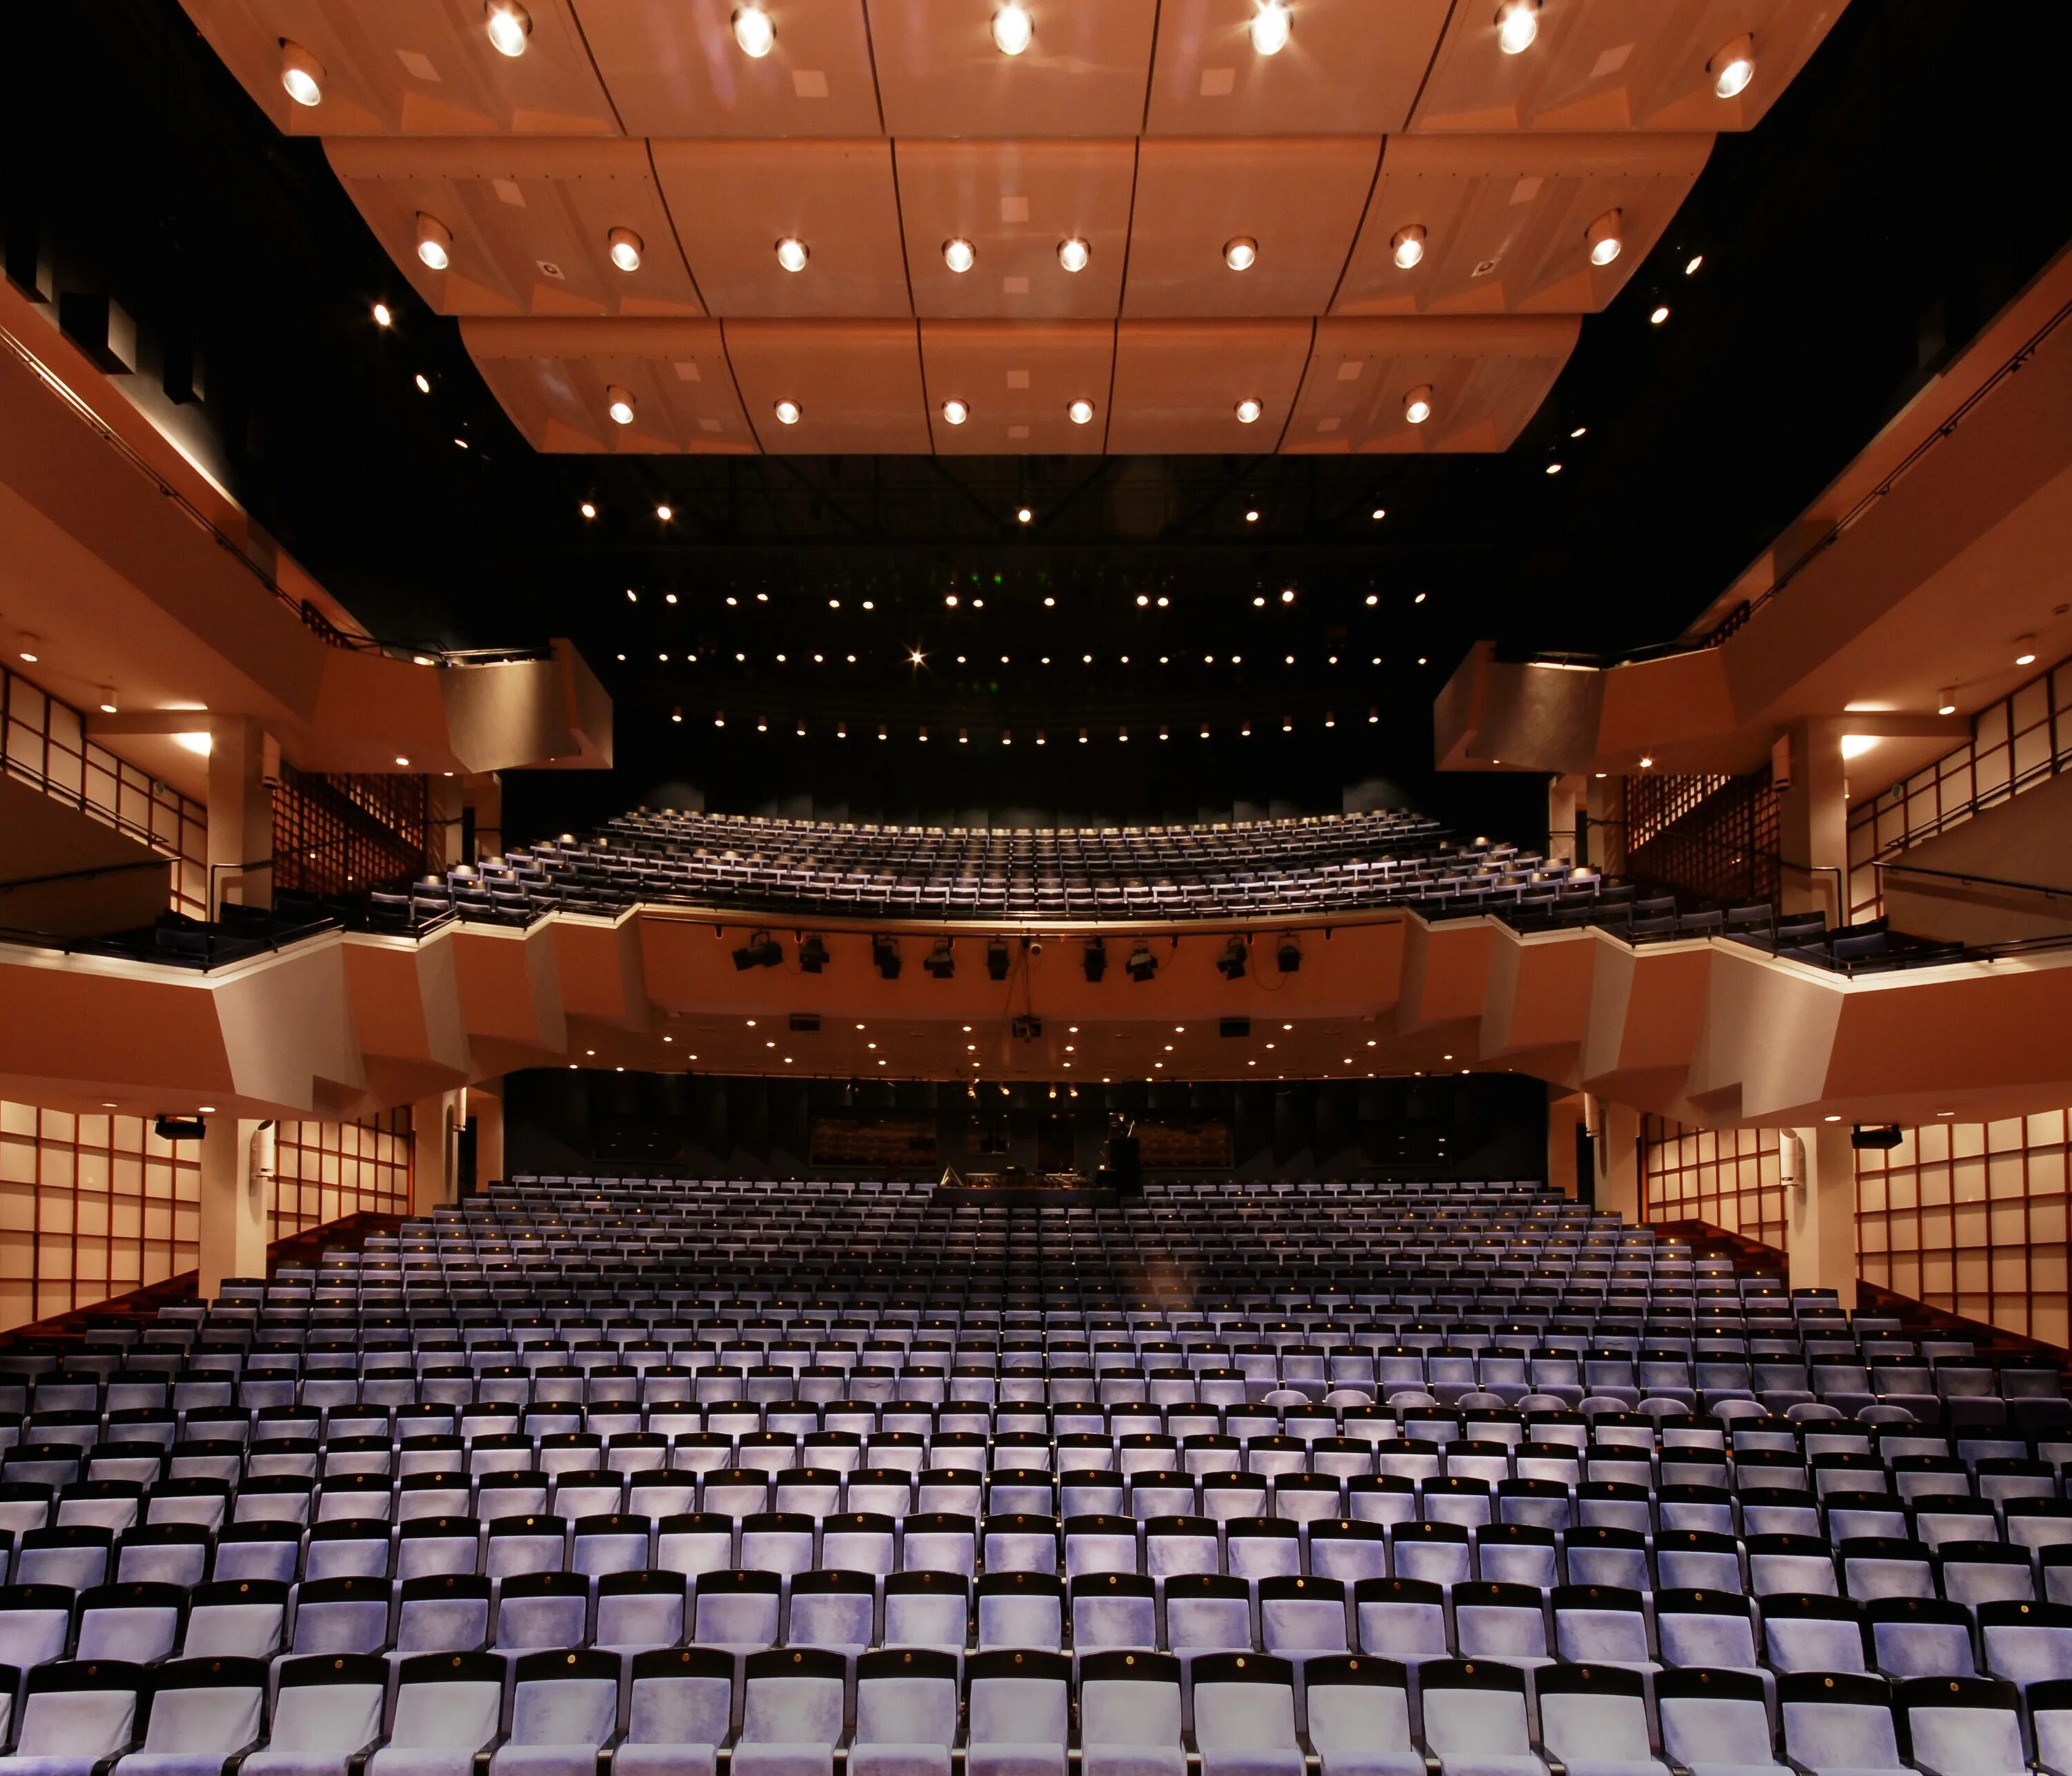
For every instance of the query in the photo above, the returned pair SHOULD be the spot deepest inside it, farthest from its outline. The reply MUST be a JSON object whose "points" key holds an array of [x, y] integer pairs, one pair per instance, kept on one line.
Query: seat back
{"points": [[1019, 1698], [83, 1710], [1715, 1718], [1129, 1699], [1474, 1708], [212, 1705], [1243, 1702], [565, 1698], [447, 1701], [1593, 1712], [1838, 1720], [906, 1697], [329, 1706], [1355, 1704], [1964, 1726], [680, 1695]]}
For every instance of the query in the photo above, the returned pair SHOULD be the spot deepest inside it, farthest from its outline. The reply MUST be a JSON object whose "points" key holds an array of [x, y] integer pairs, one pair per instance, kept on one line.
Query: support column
{"points": [[1617, 1128], [236, 1194], [242, 762], [1566, 800], [1813, 819], [488, 1113], [1605, 802], [1568, 1115], [1819, 1169], [433, 1127]]}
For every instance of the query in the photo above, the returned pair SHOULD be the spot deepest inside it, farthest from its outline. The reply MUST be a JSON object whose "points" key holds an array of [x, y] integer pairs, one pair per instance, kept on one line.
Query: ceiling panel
{"points": [[552, 378], [1350, 66], [1617, 64], [1299, 198], [1015, 202], [1084, 72], [857, 385], [1488, 375], [732, 201], [1177, 384], [673, 67], [421, 67], [530, 221], [1505, 219], [1018, 382]]}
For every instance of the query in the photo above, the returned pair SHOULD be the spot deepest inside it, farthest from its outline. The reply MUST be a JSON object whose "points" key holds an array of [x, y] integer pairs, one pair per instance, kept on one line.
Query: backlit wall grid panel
{"points": [[1730, 1179], [43, 742], [324, 1171], [1971, 1217], [90, 1207], [2016, 743]]}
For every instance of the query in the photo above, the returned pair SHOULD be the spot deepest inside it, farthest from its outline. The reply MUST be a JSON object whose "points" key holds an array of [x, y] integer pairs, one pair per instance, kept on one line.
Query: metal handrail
{"points": [[83, 875], [1984, 881]]}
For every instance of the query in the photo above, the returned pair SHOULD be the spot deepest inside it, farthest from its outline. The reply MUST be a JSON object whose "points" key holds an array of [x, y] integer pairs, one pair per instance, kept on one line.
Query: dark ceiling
{"points": [[1909, 181]]}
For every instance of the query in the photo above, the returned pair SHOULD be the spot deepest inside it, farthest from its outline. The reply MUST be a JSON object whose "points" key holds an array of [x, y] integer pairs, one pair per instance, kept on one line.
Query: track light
{"points": [[1733, 68], [434, 242], [884, 957], [1407, 246], [1946, 703], [510, 24], [1248, 411], [1142, 964], [1606, 237], [812, 954], [996, 958], [1242, 253], [1231, 963], [760, 952], [1013, 28], [624, 246], [1417, 404], [1080, 413], [1517, 24], [1288, 956], [619, 403], [301, 74], [753, 31], [1074, 252], [1093, 959], [2025, 650], [959, 254], [1272, 24], [938, 961]]}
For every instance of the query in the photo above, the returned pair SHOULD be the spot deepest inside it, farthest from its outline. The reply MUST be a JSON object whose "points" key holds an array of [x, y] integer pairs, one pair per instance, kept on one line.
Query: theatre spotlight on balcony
{"points": [[812, 954], [1231, 963], [997, 958], [1094, 959], [940, 962], [760, 952], [884, 957], [1142, 964]]}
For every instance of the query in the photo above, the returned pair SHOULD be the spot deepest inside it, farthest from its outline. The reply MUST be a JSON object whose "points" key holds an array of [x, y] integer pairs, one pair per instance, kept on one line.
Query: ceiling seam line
{"points": [[676, 234], [1367, 212]]}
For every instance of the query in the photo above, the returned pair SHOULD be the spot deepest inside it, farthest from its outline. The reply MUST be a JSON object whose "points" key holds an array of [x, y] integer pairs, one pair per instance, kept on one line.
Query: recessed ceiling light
{"points": [[1247, 411], [1691, 266], [424, 383], [624, 246], [1553, 468], [587, 509], [1646, 763], [1081, 413], [956, 411], [1407, 246], [959, 254], [1417, 404], [29, 654], [1025, 515], [1606, 238], [1657, 314], [1073, 254], [434, 242], [383, 317], [402, 761], [788, 413], [792, 253], [619, 403], [1251, 517], [1378, 513], [1733, 68], [510, 24], [1287, 594], [1517, 24], [1013, 28], [1242, 253], [1272, 24], [665, 513], [753, 31], [1579, 431], [301, 74]]}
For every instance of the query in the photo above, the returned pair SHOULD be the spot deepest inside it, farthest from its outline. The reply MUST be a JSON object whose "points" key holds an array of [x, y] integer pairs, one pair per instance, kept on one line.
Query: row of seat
{"points": [[912, 1712]]}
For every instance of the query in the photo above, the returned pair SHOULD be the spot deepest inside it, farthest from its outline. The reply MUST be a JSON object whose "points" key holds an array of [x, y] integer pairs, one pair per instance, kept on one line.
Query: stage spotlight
{"points": [[938, 961], [996, 958], [1289, 955], [1142, 964], [1231, 963], [760, 952], [1094, 958], [884, 957], [812, 954]]}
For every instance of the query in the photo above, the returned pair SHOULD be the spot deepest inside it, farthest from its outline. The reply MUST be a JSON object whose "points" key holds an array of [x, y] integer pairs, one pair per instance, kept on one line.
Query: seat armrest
{"points": [[1554, 1765], [483, 1757], [231, 1764], [114, 1757], [356, 1764]]}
